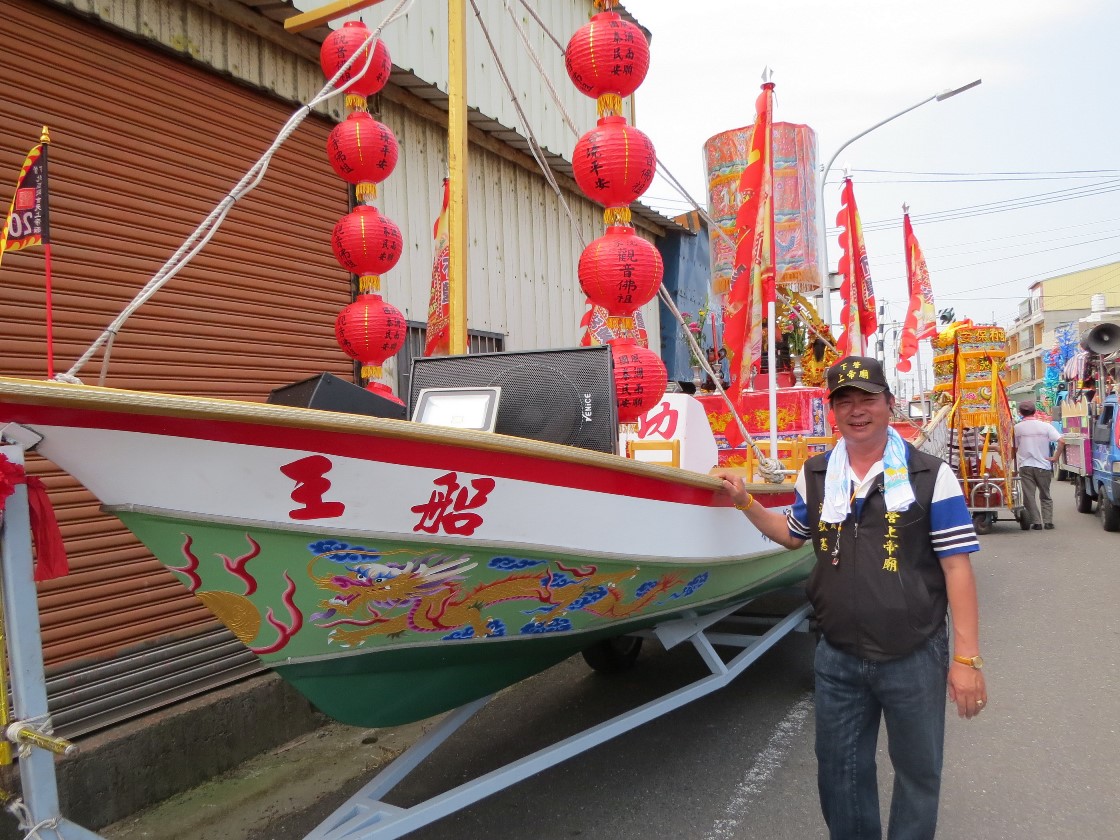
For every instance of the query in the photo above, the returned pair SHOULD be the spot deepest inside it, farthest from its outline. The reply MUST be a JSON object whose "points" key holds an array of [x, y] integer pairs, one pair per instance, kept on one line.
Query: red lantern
{"points": [[362, 152], [614, 163], [340, 45], [621, 272], [368, 244], [370, 330], [607, 55], [639, 379]]}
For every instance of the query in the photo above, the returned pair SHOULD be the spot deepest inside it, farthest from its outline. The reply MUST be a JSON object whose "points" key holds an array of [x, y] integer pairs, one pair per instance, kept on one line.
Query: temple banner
{"points": [[795, 203]]}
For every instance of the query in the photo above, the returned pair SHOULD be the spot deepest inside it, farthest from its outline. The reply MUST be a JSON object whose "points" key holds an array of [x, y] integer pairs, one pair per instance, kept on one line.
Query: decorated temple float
{"points": [[968, 363], [392, 569]]}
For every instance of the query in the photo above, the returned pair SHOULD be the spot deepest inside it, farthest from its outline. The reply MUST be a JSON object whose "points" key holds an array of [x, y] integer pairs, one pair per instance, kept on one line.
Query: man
{"points": [[892, 535], [1036, 465]]}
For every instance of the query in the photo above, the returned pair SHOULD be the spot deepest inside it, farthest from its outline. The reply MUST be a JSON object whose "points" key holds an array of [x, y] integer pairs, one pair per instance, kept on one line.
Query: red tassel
{"points": [[50, 553], [49, 549]]}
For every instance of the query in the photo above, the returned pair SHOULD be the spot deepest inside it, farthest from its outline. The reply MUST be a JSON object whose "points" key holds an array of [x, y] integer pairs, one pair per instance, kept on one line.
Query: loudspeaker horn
{"points": [[1104, 338]]}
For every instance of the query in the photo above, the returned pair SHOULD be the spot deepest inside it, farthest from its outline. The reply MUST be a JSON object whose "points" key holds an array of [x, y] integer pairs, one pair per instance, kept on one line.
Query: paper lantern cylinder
{"points": [[607, 59], [370, 330], [621, 272], [639, 379], [614, 163], [339, 46], [368, 244], [363, 152]]}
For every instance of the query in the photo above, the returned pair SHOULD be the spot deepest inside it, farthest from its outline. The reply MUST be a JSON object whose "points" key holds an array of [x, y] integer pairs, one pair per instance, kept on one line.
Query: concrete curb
{"points": [[130, 767]]}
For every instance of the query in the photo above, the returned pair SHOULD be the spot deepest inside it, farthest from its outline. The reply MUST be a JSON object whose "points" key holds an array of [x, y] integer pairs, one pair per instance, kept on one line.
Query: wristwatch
{"points": [[976, 662]]}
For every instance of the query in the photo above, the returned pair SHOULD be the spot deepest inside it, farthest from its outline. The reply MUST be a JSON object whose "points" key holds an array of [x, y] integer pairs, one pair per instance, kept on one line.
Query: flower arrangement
{"points": [[696, 329]]}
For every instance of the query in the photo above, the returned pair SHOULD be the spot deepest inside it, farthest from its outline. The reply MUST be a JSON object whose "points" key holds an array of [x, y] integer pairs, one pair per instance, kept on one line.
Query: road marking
{"points": [[762, 771]]}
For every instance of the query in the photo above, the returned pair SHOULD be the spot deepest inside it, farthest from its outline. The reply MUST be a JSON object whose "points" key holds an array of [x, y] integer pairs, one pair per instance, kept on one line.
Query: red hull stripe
{"points": [[438, 456]]}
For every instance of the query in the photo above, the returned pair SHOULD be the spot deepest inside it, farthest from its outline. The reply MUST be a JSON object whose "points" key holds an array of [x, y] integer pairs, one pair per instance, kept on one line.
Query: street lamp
{"points": [[826, 297]]}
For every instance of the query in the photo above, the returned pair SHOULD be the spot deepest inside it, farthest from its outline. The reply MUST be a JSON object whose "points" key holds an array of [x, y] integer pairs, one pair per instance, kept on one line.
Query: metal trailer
{"points": [[366, 816], [989, 501]]}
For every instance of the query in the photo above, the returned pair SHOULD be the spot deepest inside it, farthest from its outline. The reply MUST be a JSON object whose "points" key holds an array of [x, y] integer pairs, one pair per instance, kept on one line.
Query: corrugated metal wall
{"points": [[418, 43], [135, 163]]}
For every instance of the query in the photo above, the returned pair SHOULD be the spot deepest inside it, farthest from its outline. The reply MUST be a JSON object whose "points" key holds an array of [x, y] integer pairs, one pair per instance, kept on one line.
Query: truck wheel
{"points": [[982, 522], [1084, 500], [1110, 514], [612, 656]]}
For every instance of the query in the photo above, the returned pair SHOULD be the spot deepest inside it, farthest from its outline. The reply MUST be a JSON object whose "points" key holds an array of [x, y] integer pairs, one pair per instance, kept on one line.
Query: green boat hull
{"points": [[383, 632]]}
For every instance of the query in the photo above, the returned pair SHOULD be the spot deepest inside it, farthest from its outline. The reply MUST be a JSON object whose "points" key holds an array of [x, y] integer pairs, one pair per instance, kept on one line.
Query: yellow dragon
{"points": [[427, 596]]}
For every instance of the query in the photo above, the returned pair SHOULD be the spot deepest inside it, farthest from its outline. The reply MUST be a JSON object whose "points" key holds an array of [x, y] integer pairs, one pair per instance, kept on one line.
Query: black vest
{"points": [[877, 589]]}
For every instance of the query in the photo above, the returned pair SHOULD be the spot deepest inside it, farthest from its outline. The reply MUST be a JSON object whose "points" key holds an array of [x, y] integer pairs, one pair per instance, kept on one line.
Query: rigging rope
{"points": [[210, 225], [534, 144]]}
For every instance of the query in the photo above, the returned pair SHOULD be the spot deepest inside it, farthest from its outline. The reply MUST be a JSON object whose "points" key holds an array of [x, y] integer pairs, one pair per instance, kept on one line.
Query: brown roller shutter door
{"points": [[143, 146]]}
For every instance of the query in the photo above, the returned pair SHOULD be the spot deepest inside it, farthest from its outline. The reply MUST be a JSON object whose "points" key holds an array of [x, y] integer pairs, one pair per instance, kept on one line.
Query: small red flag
{"points": [[921, 318], [858, 319], [752, 285], [28, 219], [438, 336]]}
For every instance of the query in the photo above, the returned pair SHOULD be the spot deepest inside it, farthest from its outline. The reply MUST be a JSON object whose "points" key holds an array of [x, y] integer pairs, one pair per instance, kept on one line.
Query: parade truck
{"points": [[1090, 427], [1092, 456]]}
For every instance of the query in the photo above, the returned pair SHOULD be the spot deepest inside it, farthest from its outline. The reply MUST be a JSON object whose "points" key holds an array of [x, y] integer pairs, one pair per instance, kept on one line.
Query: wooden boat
{"points": [[391, 570]]}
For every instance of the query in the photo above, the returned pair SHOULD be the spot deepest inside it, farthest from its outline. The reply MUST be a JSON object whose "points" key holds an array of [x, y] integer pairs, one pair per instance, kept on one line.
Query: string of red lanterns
{"points": [[614, 163], [363, 152]]}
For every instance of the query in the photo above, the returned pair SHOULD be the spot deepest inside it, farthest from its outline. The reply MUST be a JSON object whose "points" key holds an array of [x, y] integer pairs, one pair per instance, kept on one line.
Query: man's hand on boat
{"points": [[770, 523]]}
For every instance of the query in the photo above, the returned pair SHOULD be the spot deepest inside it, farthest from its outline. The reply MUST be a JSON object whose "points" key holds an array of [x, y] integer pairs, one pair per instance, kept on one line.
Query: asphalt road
{"points": [[1041, 762]]}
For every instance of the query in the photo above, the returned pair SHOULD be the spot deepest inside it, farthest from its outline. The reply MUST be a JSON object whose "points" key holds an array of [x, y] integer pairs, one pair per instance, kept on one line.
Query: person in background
{"points": [[892, 536], [1036, 465]]}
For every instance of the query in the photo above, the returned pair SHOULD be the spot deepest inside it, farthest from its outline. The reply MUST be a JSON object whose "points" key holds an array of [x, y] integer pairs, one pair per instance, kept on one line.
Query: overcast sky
{"points": [[1048, 106]]}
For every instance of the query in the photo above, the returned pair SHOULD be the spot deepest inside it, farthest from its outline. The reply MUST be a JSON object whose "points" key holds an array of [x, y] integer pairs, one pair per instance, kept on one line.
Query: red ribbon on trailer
{"points": [[50, 551]]}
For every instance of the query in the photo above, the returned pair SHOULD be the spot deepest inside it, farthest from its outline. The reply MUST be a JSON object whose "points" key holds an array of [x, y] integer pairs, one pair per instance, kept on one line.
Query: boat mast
{"points": [[457, 167]]}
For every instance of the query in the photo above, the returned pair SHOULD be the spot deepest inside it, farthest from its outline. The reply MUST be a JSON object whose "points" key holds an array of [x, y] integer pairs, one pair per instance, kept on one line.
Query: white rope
{"points": [[210, 225], [534, 144], [772, 470], [533, 13], [18, 809], [533, 57]]}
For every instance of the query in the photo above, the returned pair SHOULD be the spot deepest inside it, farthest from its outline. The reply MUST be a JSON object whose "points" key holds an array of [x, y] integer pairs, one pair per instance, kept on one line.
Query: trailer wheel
{"points": [[1110, 514], [1083, 500], [982, 522], [1024, 519], [612, 656]]}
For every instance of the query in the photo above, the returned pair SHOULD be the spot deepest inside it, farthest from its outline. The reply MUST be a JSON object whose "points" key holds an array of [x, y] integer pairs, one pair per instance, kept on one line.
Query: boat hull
{"points": [[391, 571], [380, 632]]}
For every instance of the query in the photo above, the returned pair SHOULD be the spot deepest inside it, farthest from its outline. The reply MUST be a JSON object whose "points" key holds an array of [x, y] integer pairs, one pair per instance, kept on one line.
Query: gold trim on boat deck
{"points": [[96, 398]]}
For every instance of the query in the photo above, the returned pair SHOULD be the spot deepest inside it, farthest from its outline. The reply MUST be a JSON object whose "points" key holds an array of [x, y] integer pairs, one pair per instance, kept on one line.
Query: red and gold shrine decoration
{"points": [[368, 244], [621, 272], [639, 379], [371, 330], [614, 165], [607, 59], [362, 152], [336, 51]]}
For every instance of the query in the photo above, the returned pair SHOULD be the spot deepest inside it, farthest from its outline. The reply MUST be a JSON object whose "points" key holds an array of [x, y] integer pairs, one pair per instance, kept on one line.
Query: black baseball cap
{"points": [[862, 372]]}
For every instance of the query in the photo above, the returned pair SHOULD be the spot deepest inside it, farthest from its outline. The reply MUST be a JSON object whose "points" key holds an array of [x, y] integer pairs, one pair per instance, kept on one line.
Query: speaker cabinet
{"points": [[559, 396], [327, 392]]}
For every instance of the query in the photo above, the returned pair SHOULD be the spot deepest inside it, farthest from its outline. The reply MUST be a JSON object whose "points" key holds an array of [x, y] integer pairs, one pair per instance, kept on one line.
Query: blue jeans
{"points": [[852, 694]]}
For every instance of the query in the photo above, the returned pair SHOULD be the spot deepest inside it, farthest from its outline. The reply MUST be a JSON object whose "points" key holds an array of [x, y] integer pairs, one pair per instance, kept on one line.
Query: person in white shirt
{"points": [[1036, 465]]}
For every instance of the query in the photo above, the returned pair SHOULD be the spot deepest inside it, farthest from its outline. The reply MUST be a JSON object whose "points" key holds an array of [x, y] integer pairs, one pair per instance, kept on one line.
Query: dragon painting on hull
{"points": [[380, 594]]}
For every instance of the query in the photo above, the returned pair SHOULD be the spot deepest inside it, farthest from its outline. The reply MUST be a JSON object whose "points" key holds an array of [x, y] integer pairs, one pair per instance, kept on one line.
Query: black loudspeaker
{"points": [[1103, 339], [327, 392], [559, 396]]}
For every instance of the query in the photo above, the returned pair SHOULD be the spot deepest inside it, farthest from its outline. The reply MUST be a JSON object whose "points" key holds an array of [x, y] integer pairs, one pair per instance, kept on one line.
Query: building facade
{"points": [[1053, 302]]}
